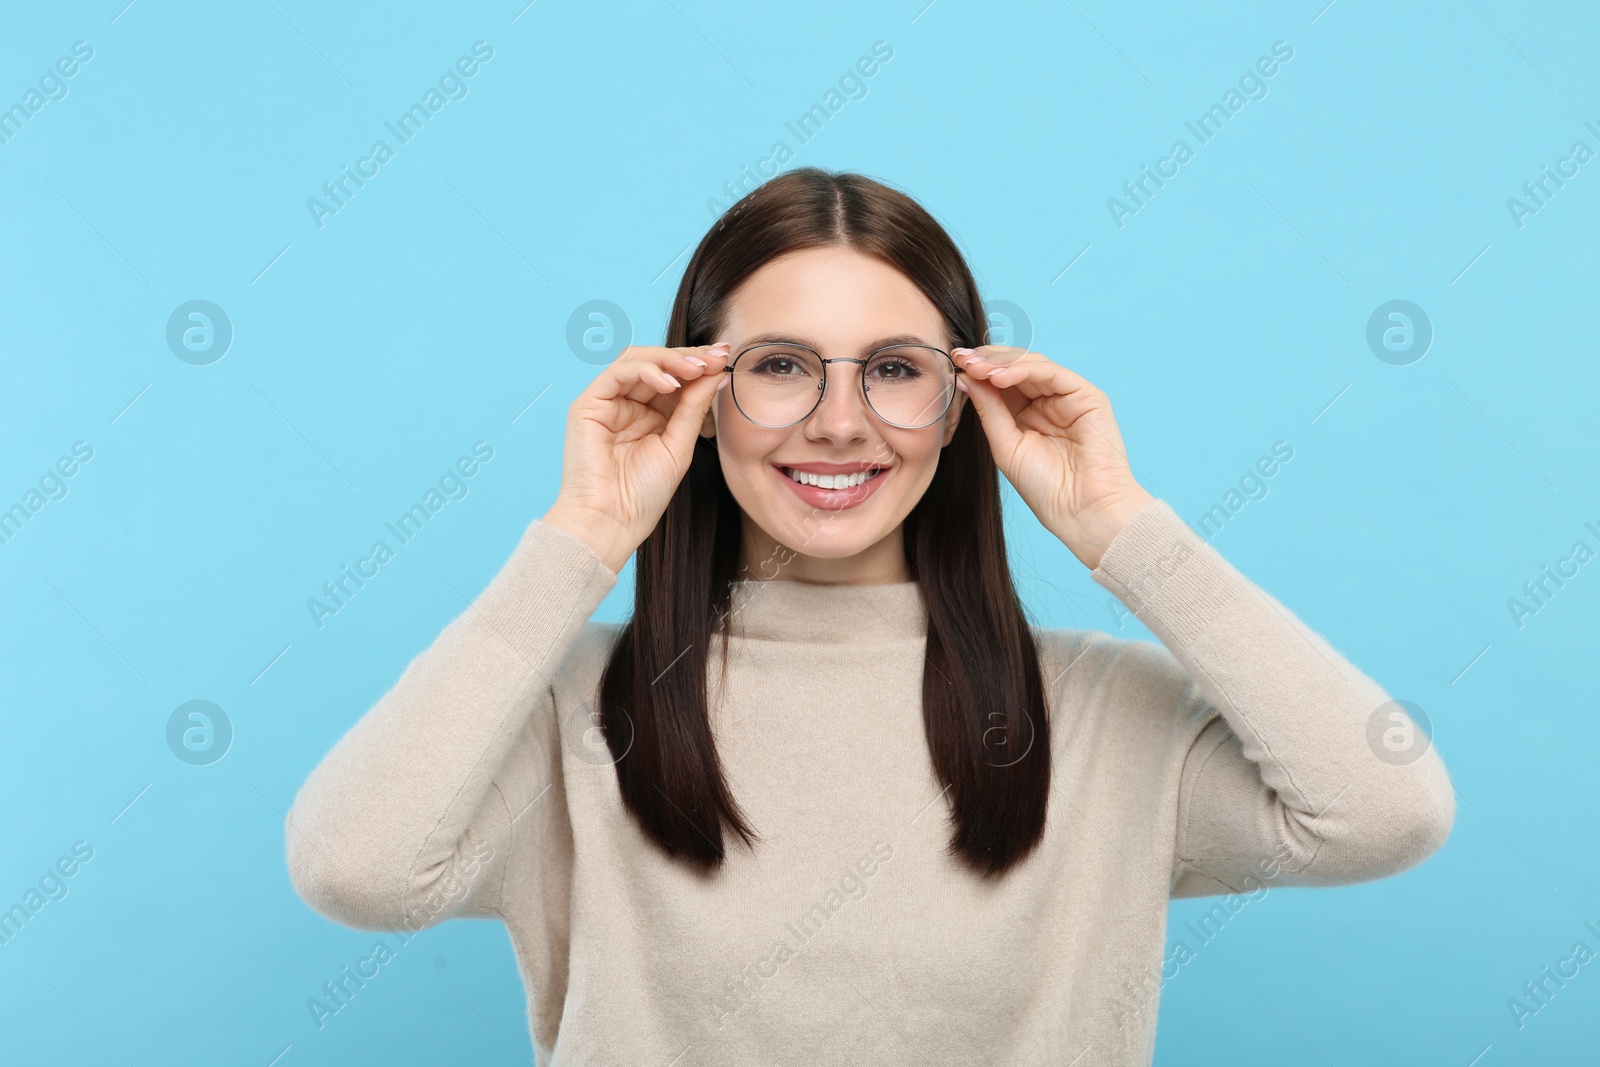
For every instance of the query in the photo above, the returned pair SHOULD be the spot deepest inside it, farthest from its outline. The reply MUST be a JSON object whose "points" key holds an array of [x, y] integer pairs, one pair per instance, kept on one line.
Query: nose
{"points": [[843, 415]]}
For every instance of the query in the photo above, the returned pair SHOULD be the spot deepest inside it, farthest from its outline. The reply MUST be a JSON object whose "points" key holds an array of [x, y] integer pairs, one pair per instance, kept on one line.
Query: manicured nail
{"points": [[670, 378], [961, 384], [724, 383], [976, 359], [696, 360], [722, 348], [961, 351]]}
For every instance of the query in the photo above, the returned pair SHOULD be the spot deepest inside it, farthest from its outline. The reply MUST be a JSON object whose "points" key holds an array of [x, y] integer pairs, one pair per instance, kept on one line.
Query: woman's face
{"points": [[841, 303]]}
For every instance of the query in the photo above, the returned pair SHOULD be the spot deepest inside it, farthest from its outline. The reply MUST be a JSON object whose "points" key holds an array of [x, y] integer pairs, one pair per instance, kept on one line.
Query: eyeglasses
{"points": [[779, 383]]}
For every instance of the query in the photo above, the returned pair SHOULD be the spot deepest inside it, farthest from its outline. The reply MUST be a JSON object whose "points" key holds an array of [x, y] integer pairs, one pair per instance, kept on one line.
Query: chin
{"points": [[829, 535]]}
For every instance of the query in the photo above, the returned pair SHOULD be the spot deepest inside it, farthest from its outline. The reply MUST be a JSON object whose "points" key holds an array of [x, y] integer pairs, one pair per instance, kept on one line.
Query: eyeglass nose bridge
{"points": [[822, 386]]}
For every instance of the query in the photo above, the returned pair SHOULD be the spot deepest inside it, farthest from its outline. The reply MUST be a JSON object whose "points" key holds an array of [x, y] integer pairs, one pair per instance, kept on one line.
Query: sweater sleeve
{"points": [[401, 825], [1297, 767]]}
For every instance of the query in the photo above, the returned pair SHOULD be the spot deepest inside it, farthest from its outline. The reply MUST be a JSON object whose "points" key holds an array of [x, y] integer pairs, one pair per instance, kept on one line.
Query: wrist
{"points": [[1093, 531], [603, 535]]}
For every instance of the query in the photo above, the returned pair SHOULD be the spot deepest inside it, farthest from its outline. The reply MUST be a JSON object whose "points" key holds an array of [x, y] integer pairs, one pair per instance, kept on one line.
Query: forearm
{"points": [[379, 825], [1302, 713]]}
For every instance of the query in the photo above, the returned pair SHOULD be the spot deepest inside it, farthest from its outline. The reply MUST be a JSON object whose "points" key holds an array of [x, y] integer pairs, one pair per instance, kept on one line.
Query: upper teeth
{"points": [[827, 481]]}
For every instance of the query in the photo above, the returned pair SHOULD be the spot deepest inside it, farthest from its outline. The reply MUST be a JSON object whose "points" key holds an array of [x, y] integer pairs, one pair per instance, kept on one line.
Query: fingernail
{"points": [[961, 384], [724, 383], [722, 348], [671, 379], [961, 351], [696, 360], [976, 359]]}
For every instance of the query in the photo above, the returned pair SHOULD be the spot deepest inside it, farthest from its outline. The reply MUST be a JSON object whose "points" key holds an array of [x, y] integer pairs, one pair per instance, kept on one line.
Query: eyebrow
{"points": [[869, 347]]}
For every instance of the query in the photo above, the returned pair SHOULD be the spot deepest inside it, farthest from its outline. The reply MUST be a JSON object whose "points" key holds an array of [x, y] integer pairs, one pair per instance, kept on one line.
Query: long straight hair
{"points": [[984, 711]]}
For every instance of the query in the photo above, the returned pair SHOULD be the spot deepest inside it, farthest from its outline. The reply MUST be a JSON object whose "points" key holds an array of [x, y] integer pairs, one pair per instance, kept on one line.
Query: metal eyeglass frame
{"points": [[822, 386]]}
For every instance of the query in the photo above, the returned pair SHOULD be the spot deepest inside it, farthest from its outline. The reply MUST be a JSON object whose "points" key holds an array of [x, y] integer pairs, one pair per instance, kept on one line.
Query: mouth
{"points": [[834, 491]]}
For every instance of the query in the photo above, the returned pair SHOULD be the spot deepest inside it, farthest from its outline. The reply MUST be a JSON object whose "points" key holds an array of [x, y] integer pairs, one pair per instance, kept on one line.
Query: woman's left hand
{"points": [[1055, 440]]}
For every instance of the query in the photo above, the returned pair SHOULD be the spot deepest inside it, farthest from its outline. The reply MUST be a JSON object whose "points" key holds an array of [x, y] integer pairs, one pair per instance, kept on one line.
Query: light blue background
{"points": [[426, 315]]}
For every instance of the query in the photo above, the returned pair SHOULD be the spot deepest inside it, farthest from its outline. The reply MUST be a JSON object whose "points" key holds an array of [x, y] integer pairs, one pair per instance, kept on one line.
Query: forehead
{"points": [[834, 298]]}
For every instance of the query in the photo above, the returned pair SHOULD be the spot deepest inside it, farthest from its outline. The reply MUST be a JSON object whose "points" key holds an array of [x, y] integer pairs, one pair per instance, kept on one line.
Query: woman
{"points": [[828, 797]]}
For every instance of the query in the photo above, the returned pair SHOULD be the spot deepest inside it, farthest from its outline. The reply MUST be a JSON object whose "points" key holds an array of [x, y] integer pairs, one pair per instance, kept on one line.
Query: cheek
{"points": [[919, 453], [744, 449]]}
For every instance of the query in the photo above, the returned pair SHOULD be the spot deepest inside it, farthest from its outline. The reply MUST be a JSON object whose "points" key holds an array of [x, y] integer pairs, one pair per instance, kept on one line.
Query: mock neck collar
{"points": [[776, 610]]}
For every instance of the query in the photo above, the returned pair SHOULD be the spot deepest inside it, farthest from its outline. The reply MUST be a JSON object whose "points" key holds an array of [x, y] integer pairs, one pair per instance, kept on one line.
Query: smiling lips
{"points": [[832, 486]]}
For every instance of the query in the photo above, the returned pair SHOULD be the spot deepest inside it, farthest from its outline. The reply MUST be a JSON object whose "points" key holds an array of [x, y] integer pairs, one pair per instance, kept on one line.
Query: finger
{"points": [[644, 373], [630, 379], [683, 427], [1035, 374], [999, 424], [986, 358], [689, 363], [684, 361]]}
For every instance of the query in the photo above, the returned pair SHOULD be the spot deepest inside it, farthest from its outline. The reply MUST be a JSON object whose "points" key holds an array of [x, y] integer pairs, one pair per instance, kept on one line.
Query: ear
{"points": [[952, 418]]}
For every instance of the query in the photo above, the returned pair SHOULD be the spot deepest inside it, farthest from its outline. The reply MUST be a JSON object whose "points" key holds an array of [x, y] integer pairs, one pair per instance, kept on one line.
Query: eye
{"points": [[893, 368], [781, 364]]}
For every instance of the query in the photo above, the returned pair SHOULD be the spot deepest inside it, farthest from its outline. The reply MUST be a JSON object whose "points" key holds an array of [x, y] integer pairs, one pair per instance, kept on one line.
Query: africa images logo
{"points": [[452, 85]]}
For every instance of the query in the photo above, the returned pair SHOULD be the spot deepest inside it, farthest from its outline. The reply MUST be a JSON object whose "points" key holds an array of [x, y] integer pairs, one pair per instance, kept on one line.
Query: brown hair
{"points": [[982, 694]]}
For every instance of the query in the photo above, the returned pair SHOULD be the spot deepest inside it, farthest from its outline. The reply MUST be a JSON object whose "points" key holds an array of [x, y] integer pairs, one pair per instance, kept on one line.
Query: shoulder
{"points": [[1078, 663], [579, 672], [1138, 683]]}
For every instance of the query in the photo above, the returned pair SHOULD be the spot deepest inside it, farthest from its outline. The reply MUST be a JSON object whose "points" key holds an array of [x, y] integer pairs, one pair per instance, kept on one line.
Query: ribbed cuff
{"points": [[548, 588], [1167, 574]]}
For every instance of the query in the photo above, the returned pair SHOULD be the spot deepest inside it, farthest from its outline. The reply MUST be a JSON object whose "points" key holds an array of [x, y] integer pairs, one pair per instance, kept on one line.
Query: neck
{"points": [[856, 619], [764, 558]]}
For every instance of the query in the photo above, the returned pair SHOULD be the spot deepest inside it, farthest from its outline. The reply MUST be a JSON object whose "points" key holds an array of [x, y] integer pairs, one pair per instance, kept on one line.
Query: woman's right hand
{"points": [[630, 436]]}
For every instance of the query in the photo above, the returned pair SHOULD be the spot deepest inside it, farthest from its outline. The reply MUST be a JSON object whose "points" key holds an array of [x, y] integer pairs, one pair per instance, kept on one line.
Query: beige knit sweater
{"points": [[1235, 759]]}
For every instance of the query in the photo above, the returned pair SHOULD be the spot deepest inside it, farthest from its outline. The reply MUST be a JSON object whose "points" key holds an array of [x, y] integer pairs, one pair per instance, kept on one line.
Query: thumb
{"points": [[999, 425], [683, 427]]}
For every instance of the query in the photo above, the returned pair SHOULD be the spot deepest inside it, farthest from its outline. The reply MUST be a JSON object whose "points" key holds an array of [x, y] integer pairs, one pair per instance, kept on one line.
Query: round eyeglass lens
{"points": [[909, 385], [776, 384]]}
